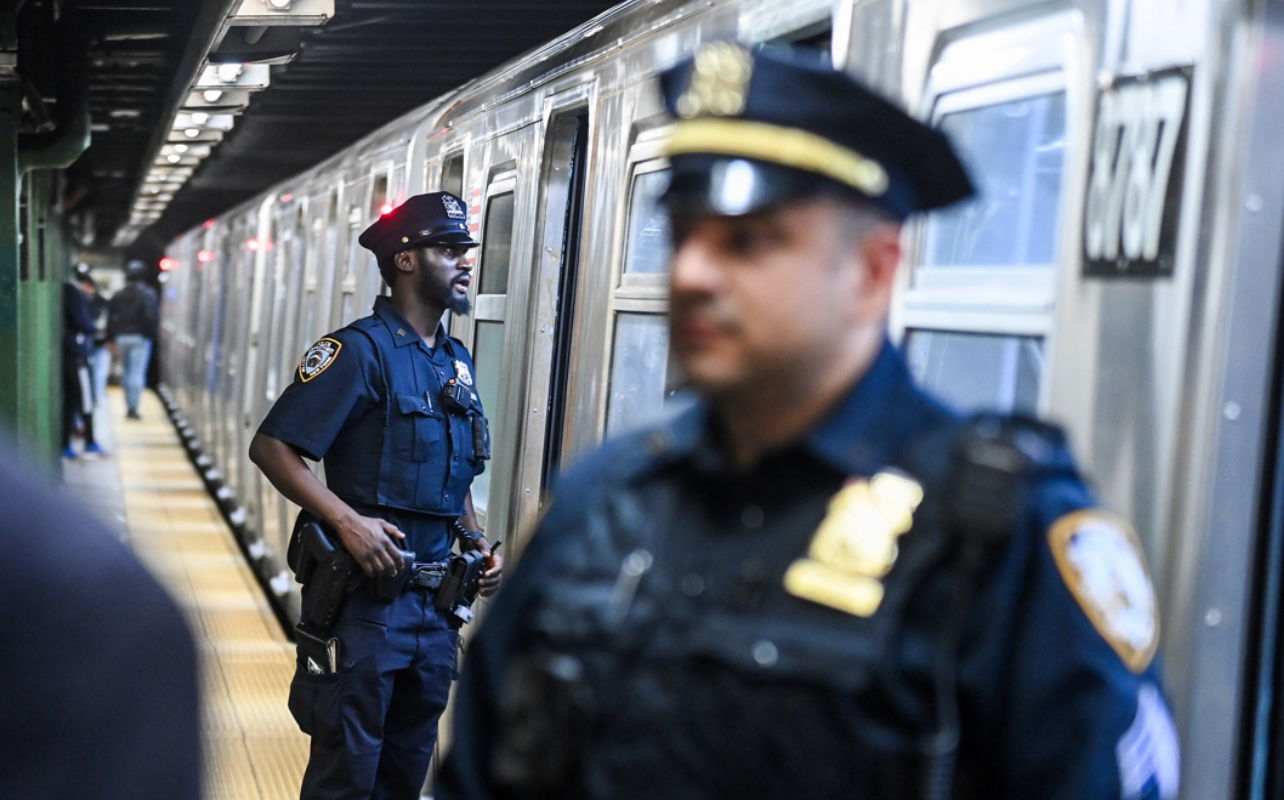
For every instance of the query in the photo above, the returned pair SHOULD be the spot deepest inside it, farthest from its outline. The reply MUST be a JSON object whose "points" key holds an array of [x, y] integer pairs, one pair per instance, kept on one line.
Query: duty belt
{"points": [[426, 576]]}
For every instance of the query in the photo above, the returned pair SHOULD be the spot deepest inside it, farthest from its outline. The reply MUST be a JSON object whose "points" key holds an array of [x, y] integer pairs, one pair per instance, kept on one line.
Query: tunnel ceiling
{"points": [[373, 61]]}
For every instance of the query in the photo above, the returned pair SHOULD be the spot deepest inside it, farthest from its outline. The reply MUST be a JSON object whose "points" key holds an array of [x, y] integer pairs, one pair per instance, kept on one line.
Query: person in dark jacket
{"points": [[132, 315], [100, 692], [100, 355], [77, 384], [819, 582]]}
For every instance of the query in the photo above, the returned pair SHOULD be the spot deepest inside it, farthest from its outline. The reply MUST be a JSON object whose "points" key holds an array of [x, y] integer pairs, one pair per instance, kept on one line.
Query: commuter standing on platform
{"points": [[132, 315], [77, 385], [99, 697], [820, 582], [389, 403], [100, 355]]}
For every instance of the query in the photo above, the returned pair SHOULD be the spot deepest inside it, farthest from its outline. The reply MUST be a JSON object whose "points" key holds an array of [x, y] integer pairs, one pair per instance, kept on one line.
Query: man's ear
{"points": [[404, 261], [880, 249]]}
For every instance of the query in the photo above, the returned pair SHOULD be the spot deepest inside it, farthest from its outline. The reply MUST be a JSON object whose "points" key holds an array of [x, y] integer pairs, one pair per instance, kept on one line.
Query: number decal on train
{"points": [[1134, 181]]}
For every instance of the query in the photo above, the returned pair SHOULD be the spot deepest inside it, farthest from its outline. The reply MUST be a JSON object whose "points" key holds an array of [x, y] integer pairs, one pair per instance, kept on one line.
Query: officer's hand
{"points": [[489, 581], [372, 542]]}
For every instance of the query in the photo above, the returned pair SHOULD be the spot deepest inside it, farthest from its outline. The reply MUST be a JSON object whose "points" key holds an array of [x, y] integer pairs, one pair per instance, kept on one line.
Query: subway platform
{"points": [[147, 490]]}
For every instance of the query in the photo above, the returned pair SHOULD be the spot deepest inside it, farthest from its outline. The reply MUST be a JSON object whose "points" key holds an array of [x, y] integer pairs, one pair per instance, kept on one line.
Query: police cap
{"points": [[759, 127], [435, 218]]}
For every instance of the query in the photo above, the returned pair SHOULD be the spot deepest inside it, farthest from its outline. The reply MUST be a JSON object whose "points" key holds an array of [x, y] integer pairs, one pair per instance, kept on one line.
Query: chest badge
{"points": [[462, 373], [1100, 559], [319, 358], [856, 544]]}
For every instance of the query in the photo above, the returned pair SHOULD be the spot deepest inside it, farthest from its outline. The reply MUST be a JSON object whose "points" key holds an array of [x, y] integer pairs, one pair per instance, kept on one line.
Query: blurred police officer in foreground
{"points": [[820, 583], [389, 403], [99, 692]]}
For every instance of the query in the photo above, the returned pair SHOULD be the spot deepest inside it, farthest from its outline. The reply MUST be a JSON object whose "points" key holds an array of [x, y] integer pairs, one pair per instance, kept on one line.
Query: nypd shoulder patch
{"points": [[1100, 559], [319, 358]]}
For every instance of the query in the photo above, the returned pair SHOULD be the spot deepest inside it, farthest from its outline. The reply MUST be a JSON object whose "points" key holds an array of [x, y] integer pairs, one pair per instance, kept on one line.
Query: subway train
{"points": [[1119, 273]]}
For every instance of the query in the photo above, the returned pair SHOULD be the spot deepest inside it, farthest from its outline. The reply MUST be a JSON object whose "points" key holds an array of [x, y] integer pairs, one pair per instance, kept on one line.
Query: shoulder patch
{"points": [[319, 358], [1100, 559]]}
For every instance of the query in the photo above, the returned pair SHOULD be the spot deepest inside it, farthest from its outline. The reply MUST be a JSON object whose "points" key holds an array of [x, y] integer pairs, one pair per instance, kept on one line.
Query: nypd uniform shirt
{"points": [[678, 629], [367, 400]]}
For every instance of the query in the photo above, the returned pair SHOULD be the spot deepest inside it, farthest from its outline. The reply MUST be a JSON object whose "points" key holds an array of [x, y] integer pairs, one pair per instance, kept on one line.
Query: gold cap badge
{"points": [[719, 82]]}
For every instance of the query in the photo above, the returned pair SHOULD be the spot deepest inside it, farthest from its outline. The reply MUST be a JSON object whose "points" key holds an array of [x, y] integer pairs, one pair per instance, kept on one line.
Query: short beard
{"points": [[458, 304]]}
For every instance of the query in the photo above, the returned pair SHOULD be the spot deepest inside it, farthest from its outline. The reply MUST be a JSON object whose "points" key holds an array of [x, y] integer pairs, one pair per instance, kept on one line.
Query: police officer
{"points": [[100, 692], [390, 403], [819, 582]]}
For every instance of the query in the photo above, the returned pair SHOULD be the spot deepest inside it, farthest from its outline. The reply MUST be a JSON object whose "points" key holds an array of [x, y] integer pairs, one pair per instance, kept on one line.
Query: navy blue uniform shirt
{"points": [[366, 399], [651, 642]]}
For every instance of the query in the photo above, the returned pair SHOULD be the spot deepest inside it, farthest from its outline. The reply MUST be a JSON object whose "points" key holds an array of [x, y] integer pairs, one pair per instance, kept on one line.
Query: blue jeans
{"points": [[135, 352], [100, 367]]}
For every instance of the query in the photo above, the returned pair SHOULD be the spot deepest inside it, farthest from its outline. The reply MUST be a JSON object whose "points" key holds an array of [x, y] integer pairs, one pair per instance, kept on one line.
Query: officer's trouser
{"points": [[374, 722]]}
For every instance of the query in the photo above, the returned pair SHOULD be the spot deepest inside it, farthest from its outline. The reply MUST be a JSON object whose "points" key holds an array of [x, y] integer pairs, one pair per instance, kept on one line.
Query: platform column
{"points": [[10, 279]]}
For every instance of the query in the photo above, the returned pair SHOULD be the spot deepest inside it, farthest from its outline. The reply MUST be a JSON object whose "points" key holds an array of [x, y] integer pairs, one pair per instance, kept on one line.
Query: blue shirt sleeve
{"points": [[334, 384], [1068, 715]]}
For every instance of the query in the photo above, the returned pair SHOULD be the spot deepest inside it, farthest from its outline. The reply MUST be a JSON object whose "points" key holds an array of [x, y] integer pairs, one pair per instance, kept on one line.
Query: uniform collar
{"points": [[403, 333], [863, 433]]}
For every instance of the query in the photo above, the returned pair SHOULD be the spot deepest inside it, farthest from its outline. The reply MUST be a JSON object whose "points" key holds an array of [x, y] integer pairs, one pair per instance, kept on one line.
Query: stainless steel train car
{"points": [[1120, 273]]}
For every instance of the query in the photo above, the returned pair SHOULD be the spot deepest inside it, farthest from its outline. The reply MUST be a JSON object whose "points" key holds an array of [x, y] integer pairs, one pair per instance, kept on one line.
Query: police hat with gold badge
{"points": [[435, 218], [759, 127]]}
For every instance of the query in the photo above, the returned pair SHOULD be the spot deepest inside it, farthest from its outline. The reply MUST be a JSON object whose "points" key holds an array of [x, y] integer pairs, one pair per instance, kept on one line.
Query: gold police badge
{"points": [[319, 358], [856, 544]]}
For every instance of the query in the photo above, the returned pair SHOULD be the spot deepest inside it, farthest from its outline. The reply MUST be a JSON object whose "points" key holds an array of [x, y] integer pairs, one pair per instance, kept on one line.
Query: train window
{"points": [[488, 355], [497, 244], [639, 367], [452, 175], [1015, 151], [976, 371], [648, 238], [378, 195]]}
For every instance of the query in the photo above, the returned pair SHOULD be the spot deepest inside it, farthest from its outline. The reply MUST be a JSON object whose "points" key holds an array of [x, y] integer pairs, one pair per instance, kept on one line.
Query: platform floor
{"points": [[152, 496]]}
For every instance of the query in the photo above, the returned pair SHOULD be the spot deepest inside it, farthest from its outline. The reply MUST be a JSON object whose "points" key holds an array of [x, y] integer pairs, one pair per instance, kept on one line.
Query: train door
{"points": [[282, 350], [257, 322], [351, 256], [318, 280], [207, 305], [247, 263], [502, 201], [363, 271], [550, 306]]}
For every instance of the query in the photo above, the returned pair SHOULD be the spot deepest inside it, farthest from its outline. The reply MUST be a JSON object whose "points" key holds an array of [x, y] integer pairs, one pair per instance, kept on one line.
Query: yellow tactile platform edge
{"points": [[253, 747]]}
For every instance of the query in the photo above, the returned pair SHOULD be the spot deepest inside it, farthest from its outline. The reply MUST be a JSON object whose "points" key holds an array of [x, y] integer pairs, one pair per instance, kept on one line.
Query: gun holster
{"points": [[324, 568], [459, 586]]}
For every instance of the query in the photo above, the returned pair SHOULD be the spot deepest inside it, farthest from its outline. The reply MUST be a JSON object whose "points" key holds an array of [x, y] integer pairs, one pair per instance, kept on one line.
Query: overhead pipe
{"points": [[59, 148]]}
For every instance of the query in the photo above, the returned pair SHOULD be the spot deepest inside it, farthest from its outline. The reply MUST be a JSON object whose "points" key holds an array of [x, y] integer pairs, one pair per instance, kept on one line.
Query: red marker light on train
{"points": [[209, 223], [204, 256], [386, 208], [252, 244], [287, 197], [167, 263]]}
